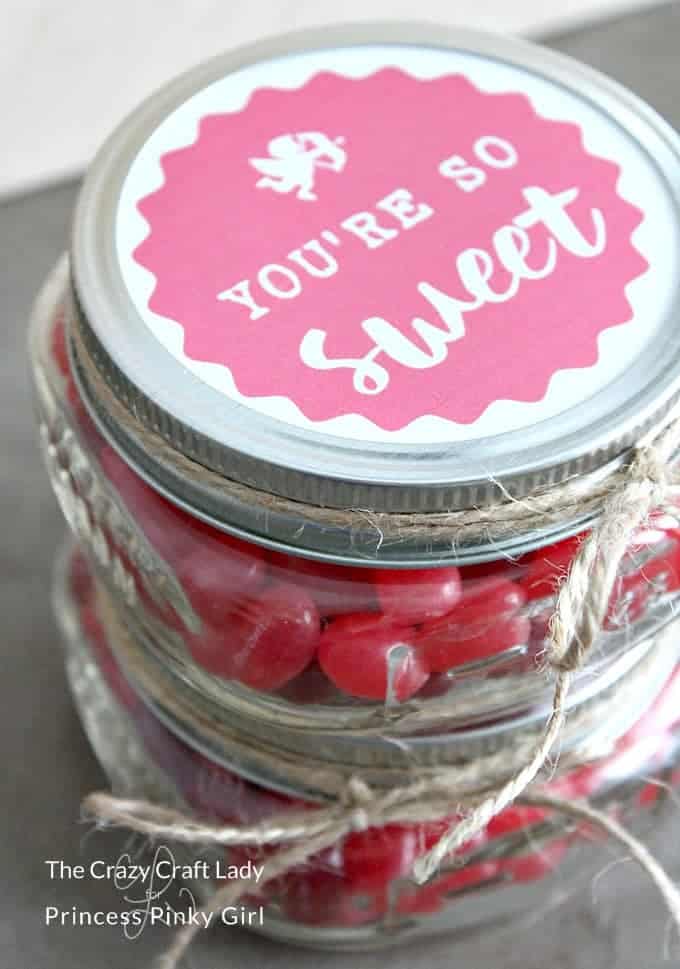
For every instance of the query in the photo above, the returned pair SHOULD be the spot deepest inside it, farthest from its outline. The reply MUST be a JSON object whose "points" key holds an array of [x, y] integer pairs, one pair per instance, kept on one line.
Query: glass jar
{"points": [[359, 893]]}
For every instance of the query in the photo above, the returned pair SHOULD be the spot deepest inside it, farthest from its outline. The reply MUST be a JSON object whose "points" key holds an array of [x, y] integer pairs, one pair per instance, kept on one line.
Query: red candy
{"points": [[336, 589], [213, 568], [364, 654], [59, 348], [450, 647], [374, 858], [420, 899], [218, 570], [514, 818], [482, 603], [316, 897], [650, 794], [483, 624], [166, 527], [410, 596], [536, 864], [264, 642], [495, 569], [487, 599], [547, 567]]}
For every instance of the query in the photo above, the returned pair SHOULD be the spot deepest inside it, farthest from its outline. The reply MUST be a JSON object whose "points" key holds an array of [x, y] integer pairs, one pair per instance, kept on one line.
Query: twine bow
{"points": [[631, 496]]}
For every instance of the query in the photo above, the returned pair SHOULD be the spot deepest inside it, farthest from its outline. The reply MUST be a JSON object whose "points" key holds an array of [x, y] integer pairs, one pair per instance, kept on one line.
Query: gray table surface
{"points": [[47, 766]]}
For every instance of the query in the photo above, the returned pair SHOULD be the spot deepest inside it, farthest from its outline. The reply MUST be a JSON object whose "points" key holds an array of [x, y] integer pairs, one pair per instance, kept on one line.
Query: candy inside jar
{"points": [[365, 882], [274, 621]]}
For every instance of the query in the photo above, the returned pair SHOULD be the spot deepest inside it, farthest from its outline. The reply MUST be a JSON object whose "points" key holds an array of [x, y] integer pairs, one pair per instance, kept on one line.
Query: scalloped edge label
{"points": [[384, 245]]}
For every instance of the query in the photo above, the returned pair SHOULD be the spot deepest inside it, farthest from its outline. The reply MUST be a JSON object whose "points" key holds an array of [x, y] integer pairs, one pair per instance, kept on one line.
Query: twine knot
{"points": [[586, 593], [650, 465], [354, 802]]}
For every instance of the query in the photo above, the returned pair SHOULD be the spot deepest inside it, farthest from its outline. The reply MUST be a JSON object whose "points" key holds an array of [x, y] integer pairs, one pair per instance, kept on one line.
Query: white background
{"points": [[70, 69]]}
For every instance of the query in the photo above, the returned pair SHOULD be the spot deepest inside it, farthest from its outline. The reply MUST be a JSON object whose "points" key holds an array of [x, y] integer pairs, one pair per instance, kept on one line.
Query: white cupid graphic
{"points": [[294, 160]]}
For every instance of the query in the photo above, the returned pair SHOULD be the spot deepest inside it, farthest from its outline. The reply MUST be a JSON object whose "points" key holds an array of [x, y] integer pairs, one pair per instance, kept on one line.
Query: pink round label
{"points": [[389, 246]]}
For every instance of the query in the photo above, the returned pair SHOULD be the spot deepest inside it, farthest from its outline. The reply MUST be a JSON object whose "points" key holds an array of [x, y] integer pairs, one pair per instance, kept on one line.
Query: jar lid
{"points": [[396, 268]]}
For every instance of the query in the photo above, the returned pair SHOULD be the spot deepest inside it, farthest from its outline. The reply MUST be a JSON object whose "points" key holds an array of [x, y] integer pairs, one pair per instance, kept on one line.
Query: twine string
{"points": [[617, 832], [287, 859]]}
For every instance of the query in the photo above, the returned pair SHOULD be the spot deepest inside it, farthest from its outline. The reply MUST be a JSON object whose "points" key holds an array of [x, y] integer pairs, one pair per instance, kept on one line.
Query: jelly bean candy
{"points": [[265, 642], [366, 656], [485, 623], [410, 596], [217, 571]]}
